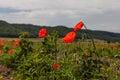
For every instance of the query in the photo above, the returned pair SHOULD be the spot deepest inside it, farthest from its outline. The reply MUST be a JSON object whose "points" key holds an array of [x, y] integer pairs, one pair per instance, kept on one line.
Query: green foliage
{"points": [[77, 61], [49, 45], [20, 54]]}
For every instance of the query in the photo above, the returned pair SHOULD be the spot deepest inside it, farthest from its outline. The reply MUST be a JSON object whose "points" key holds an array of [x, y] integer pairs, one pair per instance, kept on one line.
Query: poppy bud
{"points": [[78, 26]]}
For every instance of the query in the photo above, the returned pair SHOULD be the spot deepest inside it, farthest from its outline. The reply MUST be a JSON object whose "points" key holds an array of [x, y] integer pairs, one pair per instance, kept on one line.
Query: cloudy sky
{"points": [[96, 14]]}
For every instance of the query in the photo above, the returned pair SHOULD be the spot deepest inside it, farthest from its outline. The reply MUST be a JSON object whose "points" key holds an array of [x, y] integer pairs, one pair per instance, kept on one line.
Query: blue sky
{"points": [[96, 14]]}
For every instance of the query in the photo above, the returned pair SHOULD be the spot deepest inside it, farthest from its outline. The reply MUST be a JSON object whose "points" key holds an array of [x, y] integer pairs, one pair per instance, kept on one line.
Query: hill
{"points": [[13, 30]]}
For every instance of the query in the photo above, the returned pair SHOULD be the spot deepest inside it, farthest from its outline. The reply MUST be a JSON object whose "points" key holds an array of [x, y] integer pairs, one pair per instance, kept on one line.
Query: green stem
{"points": [[90, 38]]}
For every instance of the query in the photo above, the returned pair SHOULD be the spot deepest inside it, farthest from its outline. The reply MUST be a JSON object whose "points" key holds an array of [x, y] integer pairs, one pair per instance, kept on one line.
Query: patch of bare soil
{"points": [[5, 72]]}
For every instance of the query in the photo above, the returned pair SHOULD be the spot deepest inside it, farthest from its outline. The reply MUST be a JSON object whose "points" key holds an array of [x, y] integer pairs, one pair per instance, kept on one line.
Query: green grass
{"points": [[37, 64]]}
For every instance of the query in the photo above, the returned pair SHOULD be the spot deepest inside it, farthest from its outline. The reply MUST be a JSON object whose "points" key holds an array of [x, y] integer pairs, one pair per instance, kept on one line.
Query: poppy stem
{"points": [[90, 38]]}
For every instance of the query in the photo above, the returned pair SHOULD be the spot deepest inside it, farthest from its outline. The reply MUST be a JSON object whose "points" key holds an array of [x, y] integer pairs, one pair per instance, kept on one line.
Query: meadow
{"points": [[51, 58]]}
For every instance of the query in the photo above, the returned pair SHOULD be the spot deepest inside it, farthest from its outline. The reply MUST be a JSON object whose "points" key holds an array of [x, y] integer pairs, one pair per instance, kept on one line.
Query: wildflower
{"points": [[1, 44], [115, 45], [1, 52], [16, 43], [10, 51], [42, 33], [2, 41], [69, 37], [55, 65], [78, 26], [87, 54]]}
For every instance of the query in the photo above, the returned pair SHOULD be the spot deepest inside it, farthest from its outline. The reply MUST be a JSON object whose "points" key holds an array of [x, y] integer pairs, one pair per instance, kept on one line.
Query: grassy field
{"points": [[51, 59]]}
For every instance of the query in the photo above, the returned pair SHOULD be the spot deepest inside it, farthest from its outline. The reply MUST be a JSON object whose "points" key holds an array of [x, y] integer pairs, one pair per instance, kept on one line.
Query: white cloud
{"points": [[97, 14]]}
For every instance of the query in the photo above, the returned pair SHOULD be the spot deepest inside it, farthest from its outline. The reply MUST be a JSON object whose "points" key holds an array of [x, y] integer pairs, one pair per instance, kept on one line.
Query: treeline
{"points": [[13, 30]]}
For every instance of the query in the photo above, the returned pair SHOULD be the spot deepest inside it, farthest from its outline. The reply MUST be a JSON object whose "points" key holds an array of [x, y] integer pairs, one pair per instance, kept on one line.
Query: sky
{"points": [[96, 14]]}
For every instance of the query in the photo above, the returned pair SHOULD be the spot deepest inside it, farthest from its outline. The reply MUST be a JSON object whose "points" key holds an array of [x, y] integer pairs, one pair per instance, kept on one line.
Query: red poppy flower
{"points": [[42, 33], [78, 26], [1, 44], [10, 51], [55, 65], [115, 45], [1, 52], [69, 37], [16, 43], [2, 41]]}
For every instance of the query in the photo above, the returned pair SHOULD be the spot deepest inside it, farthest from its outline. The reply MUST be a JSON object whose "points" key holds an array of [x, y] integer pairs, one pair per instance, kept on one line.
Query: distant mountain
{"points": [[13, 30]]}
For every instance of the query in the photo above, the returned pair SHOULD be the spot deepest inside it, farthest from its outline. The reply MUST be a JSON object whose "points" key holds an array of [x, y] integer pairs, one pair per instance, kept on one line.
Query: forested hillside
{"points": [[13, 30]]}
